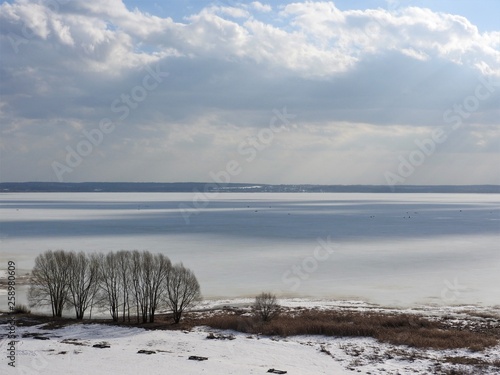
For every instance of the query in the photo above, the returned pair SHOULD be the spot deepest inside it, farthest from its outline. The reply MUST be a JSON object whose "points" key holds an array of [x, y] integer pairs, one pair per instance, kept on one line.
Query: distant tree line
{"points": [[127, 283]]}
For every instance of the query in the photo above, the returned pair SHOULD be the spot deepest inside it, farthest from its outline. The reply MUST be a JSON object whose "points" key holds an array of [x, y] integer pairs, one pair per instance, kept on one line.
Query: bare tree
{"points": [[49, 281], [266, 306], [118, 281], [82, 281], [123, 263], [135, 279], [157, 277], [110, 282], [140, 274], [183, 291]]}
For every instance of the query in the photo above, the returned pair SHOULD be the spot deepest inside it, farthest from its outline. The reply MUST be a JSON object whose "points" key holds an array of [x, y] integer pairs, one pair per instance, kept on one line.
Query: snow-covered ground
{"points": [[70, 350], [243, 355]]}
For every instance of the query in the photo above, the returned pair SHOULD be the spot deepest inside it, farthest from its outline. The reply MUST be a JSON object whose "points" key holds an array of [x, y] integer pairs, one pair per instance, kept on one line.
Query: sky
{"points": [[280, 92]]}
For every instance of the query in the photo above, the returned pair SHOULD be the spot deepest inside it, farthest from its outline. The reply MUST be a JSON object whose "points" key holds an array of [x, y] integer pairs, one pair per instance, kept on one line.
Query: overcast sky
{"points": [[347, 92]]}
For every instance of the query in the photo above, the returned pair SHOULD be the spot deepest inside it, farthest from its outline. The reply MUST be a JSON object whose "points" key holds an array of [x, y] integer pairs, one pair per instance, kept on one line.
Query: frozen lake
{"points": [[392, 249]]}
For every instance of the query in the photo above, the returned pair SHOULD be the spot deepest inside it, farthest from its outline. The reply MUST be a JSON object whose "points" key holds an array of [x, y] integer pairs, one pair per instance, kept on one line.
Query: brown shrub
{"points": [[228, 321], [402, 329], [437, 338]]}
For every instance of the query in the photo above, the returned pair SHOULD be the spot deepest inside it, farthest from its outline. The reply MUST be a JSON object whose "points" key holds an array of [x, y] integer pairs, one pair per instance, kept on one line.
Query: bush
{"points": [[21, 309], [266, 306]]}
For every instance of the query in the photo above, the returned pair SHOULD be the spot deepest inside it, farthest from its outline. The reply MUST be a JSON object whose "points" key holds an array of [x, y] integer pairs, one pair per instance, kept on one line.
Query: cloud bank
{"points": [[176, 100]]}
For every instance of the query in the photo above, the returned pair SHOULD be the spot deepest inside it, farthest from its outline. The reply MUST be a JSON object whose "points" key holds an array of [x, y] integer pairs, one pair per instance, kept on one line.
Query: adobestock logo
{"points": [[303, 270], [123, 105], [427, 146], [248, 150], [27, 32]]}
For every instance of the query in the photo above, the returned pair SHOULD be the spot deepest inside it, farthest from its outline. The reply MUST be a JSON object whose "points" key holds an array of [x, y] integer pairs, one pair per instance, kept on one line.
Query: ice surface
{"points": [[391, 249]]}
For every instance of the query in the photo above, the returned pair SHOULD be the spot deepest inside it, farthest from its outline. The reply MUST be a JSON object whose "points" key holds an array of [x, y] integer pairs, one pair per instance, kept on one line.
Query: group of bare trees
{"points": [[127, 283]]}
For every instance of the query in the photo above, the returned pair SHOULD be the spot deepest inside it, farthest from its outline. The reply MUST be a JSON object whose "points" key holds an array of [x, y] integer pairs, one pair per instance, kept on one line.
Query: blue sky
{"points": [[484, 14], [345, 92]]}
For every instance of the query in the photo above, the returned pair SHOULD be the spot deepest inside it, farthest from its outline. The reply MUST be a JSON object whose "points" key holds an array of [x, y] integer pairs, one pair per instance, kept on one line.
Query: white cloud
{"points": [[265, 8], [363, 83], [233, 12], [419, 55], [324, 41]]}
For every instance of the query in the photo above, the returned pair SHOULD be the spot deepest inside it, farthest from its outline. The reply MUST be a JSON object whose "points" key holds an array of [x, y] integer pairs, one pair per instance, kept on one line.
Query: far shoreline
{"points": [[213, 187]]}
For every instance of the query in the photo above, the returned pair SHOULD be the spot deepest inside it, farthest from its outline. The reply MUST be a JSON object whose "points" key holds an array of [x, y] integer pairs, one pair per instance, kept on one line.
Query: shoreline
{"points": [[352, 304], [313, 302], [243, 306]]}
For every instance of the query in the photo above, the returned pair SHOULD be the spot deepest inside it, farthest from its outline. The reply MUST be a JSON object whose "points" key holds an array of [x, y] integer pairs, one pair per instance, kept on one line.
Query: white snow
{"points": [[69, 351], [240, 356]]}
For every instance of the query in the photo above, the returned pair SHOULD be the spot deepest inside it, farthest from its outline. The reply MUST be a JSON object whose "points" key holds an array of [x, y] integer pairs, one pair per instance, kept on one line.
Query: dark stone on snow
{"points": [[212, 336], [142, 351], [197, 358], [101, 346]]}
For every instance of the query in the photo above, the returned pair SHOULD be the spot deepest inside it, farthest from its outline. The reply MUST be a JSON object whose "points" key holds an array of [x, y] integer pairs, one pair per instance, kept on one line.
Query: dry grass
{"points": [[456, 370], [482, 314], [466, 366], [21, 309], [401, 329], [465, 361], [398, 329]]}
